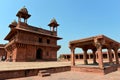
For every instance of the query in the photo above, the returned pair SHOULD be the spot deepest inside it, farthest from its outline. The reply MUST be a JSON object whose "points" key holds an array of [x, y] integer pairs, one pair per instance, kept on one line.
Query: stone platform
{"points": [[10, 70], [73, 75], [7, 66], [25, 69], [94, 69]]}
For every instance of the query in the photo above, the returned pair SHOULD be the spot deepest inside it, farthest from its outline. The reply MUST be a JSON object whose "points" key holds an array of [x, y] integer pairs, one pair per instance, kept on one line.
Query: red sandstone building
{"points": [[29, 43]]}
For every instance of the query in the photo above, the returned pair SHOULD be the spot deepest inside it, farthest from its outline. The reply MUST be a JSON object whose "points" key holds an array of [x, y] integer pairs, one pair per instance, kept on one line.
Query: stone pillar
{"points": [[113, 55], [25, 20], [100, 58], [19, 19], [110, 56], [89, 56], [56, 29], [94, 56], [72, 56], [107, 55], [65, 56], [85, 56], [116, 55], [78, 56], [98, 45]]}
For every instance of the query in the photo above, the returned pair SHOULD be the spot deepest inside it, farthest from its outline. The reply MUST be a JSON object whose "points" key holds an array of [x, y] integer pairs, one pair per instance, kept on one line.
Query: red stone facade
{"points": [[29, 43]]}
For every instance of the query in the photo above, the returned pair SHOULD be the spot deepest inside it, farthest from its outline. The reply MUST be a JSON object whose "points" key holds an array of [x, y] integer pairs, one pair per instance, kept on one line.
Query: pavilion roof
{"points": [[90, 43]]}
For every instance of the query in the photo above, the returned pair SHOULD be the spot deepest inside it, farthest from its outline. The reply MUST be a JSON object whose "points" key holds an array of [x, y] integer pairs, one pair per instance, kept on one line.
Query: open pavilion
{"points": [[96, 44]]}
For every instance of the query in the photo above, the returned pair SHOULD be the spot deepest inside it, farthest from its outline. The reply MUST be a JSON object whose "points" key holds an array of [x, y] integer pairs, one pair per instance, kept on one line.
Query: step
{"points": [[44, 74]]}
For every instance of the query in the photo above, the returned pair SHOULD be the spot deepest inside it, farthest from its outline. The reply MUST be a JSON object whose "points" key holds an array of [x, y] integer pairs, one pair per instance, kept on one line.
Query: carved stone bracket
{"points": [[19, 45], [98, 43], [72, 47]]}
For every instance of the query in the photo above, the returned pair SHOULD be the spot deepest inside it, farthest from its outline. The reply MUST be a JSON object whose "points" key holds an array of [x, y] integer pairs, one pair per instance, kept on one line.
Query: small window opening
{"points": [[40, 40], [48, 41]]}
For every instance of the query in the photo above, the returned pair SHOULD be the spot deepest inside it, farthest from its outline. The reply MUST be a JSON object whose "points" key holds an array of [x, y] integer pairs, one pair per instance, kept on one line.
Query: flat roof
{"points": [[89, 42]]}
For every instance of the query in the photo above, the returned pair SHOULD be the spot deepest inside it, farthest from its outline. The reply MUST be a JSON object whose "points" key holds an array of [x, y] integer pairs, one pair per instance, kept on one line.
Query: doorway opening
{"points": [[39, 54]]}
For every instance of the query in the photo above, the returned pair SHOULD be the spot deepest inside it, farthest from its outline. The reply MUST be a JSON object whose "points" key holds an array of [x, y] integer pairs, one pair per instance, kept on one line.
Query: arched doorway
{"points": [[39, 54]]}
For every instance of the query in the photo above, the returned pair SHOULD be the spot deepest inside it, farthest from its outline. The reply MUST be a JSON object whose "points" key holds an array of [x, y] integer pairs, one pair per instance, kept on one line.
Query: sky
{"points": [[77, 18]]}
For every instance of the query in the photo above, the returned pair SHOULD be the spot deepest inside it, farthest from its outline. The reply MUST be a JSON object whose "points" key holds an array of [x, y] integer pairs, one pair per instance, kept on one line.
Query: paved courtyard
{"points": [[70, 75], [5, 66], [32, 65]]}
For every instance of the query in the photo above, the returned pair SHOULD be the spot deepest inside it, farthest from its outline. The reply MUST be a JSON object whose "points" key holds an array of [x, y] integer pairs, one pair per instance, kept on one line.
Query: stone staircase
{"points": [[43, 73]]}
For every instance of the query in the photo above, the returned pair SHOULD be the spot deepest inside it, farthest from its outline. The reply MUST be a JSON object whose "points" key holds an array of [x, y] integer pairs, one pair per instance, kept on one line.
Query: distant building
{"points": [[29, 43], [2, 52], [79, 56]]}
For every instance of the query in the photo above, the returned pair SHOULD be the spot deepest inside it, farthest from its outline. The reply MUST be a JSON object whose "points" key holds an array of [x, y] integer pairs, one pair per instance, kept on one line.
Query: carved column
{"points": [[116, 55], [98, 45], [72, 56], [78, 56], [25, 20], [94, 56], [85, 55], [107, 55], [110, 56], [19, 19], [113, 55], [89, 56], [65, 56]]}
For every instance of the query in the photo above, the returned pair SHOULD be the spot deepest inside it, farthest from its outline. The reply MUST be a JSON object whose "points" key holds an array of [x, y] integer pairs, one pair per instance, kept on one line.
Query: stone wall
{"points": [[106, 70], [31, 72], [110, 69], [87, 69]]}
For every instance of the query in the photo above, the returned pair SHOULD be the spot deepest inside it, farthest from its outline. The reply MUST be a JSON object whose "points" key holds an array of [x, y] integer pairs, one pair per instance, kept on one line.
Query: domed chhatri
{"points": [[53, 24], [23, 13], [13, 24]]}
